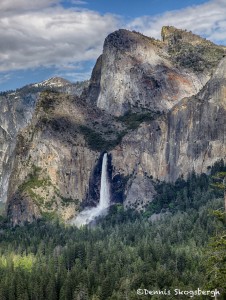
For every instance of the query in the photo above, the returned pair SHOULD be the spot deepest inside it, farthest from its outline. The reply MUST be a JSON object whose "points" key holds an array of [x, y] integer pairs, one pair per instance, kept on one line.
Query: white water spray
{"points": [[90, 214], [104, 184]]}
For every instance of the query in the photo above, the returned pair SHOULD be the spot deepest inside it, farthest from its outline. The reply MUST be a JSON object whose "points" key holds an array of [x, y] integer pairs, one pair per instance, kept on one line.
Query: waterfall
{"points": [[104, 185], [90, 214]]}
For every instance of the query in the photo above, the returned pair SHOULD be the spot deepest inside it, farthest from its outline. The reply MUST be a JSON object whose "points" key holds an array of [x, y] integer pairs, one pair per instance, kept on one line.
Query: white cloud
{"points": [[25, 5], [51, 36], [208, 19], [44, 33]]}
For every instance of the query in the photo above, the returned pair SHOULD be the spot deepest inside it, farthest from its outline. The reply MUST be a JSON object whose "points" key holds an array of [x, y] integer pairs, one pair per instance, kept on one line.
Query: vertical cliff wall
{"points": [[16, 111], [156, 111], [142, 75], [191, 136]]}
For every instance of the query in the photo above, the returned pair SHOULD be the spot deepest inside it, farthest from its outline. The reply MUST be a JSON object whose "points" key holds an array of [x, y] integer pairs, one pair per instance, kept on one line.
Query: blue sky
{"points": [[133, 8], [45, 38]]}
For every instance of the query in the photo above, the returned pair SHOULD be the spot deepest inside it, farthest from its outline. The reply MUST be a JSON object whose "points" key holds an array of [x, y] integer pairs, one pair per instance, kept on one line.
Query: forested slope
{"points": [[126, 251]]}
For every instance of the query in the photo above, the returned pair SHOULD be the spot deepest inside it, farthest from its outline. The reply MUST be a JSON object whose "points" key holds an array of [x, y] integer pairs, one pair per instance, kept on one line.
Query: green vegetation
{"points": [[97, 142], [34, 181], [219, 180], [124, 252], [94, 139], [48, 204], [65, 201], [200, 57], [133, 120], [191, 51], [192, 193], [216, 262], [50, 216], [48, 100], [5, 93]]}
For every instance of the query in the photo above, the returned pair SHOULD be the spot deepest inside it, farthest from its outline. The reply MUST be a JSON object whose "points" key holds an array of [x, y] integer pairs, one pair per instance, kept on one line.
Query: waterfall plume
{"points": [[104, 185], [90, 214]]}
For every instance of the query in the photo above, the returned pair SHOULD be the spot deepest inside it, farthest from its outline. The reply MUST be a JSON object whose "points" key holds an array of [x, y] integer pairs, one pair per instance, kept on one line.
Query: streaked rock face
{"points": [[157, 107], [191, 136], [137, 73], [15, 112], [52, 164]]}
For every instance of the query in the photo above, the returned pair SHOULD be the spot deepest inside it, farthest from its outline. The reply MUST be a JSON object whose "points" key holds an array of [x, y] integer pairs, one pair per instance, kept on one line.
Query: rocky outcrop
{"points": [[16, 110], [56, 156], [191, 136], [190, 51], [138, 73], [92, 92], [140, 192], [52, 163], [23, 210], [158, 114]]}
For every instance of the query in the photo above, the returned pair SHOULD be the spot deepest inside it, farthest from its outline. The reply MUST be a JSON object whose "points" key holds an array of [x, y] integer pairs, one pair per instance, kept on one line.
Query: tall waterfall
{"points": [[89, 214], [104, 185]]}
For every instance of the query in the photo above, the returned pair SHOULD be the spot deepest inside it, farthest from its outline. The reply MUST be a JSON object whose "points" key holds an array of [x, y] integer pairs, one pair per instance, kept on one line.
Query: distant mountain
{"points": [[54, 82], [157, 107], [61, 85]]}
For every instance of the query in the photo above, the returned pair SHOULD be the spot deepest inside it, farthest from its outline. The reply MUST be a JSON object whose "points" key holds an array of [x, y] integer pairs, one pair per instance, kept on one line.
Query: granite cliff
{"points": [[140, 68], [157, 107], [17, 108], [16, 111]]}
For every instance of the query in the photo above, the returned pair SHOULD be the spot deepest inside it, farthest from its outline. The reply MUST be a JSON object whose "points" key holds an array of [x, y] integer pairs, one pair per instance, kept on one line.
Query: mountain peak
{"points": [[124, 39], [173, 35], [53, 82], [120, 39]]}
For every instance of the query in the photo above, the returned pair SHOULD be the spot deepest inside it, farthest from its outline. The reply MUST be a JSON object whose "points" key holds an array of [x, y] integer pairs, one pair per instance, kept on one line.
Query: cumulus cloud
{"points": [[41, 33], [50, 36], [25, 5], [208, 19]]}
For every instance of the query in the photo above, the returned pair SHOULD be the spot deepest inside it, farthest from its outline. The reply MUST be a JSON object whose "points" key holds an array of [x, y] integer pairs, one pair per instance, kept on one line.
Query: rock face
{"points": [[191, 136], [16, 110], [157, 107], [142, 75], [55, 159], [52, 165], [190, 51], [140, 192]]}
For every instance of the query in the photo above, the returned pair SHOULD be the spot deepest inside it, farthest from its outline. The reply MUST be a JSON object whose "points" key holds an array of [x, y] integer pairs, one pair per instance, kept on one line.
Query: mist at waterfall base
{"points": [[89, 215]]}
